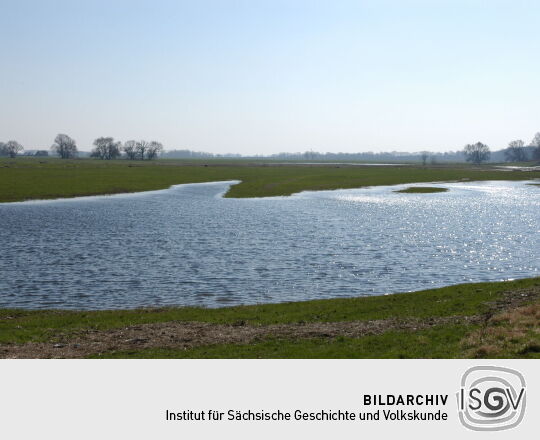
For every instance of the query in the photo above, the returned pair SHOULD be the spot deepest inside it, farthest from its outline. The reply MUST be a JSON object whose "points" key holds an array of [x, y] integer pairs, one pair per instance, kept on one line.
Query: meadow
{"points": [[47, 178]]}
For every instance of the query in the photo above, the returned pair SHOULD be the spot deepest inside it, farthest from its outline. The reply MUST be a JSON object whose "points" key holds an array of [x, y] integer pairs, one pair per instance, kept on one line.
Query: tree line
{"points": [[515, 152], [105, 148]]}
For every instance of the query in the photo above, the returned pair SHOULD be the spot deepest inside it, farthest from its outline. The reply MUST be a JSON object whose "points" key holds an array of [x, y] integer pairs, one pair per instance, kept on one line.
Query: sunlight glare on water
{"points": [[189, 246]]}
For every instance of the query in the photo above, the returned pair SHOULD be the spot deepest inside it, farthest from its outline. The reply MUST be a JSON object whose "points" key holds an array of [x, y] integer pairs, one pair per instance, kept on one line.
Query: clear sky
{"points": [[269, 76]]}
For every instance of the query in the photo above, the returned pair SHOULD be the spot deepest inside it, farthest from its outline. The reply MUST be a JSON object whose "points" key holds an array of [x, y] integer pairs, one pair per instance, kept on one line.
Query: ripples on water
{"points": [[189, 246]]}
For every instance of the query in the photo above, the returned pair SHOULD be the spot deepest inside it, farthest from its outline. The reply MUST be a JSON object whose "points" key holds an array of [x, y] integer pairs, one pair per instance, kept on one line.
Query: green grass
{"points": [[438, 342], [18, 326], [33, 178], [421, 189]]}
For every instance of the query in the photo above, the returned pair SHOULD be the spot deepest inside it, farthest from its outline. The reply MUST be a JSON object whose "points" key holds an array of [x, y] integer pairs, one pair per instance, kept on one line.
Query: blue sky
{"points": [[270, 76]]}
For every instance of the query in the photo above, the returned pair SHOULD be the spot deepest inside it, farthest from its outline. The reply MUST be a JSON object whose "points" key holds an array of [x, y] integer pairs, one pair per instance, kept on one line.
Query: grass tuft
{"points": [[421, 190]]}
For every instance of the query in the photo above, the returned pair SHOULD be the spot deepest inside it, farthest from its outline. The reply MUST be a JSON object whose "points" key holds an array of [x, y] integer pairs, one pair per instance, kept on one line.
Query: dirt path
{"points": [[185, 335]]}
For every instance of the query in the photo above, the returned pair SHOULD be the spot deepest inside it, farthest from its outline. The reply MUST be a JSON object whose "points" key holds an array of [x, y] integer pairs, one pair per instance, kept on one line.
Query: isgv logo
{"points": [[491, 398]]}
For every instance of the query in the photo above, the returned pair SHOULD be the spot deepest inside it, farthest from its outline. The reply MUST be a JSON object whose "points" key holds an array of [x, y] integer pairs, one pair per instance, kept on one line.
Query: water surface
{"points": [[189, 246]]}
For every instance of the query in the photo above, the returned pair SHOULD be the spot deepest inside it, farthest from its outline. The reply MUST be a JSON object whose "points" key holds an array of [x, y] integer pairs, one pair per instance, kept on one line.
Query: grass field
{"points": [[469, 320], [33, 178]]}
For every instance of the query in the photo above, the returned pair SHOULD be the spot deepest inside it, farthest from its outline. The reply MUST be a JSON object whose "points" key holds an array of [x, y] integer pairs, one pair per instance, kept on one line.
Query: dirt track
{"points": [[184, 335]]}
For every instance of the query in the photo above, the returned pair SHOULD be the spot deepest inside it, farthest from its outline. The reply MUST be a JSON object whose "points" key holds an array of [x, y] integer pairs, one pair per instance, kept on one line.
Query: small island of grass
{"points": [[421, 189]]}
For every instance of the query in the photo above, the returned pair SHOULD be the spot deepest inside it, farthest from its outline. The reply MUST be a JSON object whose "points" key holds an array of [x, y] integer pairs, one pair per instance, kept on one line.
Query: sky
{"points": [[262, 77]]}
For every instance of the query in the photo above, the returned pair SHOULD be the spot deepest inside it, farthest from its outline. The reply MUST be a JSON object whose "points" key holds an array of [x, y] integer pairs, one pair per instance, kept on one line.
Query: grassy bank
{"points": [[32, 178], [469, 320]]}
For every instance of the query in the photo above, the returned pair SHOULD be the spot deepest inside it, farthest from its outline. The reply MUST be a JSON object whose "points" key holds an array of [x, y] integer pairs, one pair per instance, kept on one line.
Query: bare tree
{"points": [[476, 153], [515, 152], [536, 144], [154, 149], [64, 146], [140, 148], [13, 148], [106, 148], [424, 155], [130, 149]]}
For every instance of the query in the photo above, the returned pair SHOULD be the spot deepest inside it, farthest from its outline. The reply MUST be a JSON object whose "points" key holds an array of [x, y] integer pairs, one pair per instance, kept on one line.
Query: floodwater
{"points": [[190, 246]]}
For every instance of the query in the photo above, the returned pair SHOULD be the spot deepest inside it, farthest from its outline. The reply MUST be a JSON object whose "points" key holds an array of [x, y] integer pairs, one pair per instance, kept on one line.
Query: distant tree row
{"points": [[517, 152], [189, 154], [106, 148], [475, 153], [141, 150]]}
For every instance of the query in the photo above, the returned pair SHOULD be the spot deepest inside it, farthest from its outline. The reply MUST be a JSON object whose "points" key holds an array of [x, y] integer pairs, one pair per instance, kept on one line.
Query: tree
{"points": [[309, 155], [424, 156], [64, 146], [515, 152], [536, 144], [154, 149], [12, 148], [140, 148], [130, 149], [106, 148], [3, 150], [476, 153]]}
